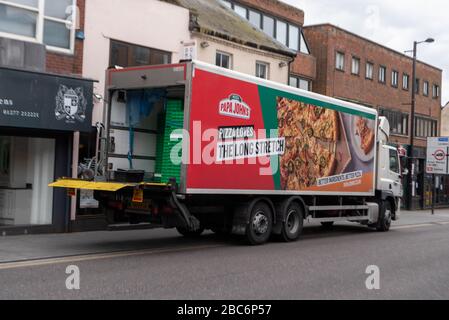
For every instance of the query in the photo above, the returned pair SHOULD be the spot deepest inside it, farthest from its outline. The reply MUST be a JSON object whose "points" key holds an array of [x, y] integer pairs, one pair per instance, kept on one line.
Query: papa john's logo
{"points": [[70, 104], [235, 107]]}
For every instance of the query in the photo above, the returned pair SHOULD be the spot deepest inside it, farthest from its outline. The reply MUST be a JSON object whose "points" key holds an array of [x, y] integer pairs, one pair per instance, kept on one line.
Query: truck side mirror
{"points": [[405, 172]]}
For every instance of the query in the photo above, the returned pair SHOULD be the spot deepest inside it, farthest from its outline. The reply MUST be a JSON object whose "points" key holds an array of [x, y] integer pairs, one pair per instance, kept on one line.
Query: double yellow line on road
{"points": [[134, 253], [97, 256]]}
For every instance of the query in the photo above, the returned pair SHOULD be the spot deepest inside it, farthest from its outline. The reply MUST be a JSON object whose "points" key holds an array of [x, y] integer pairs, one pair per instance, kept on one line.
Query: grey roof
{"points": [[213, 18]]}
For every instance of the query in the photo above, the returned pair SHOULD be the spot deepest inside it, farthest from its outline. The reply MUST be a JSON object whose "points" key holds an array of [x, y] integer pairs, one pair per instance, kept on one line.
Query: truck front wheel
{"points": [[385, 216], [260, 224]]}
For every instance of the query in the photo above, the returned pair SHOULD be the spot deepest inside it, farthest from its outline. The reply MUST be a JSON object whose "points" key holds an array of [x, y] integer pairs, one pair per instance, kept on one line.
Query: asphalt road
{"points": [[413, 262]]}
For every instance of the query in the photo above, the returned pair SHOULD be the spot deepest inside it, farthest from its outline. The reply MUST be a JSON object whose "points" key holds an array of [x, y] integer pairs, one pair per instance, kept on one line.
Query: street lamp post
{"points": [[412, 125]]}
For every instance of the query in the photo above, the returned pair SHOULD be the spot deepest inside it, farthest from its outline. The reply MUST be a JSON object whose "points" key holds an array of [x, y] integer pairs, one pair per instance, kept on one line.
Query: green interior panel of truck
{"points": [[168, 138]]}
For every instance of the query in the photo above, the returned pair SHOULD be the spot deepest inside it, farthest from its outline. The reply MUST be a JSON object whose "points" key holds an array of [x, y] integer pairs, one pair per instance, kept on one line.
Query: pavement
{"points": [[413, 259]]}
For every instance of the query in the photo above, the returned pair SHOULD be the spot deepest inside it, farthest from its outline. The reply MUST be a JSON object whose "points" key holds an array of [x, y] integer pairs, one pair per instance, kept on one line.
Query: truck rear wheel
{"points": [[385, 216], [260, 224], [293, 224]]}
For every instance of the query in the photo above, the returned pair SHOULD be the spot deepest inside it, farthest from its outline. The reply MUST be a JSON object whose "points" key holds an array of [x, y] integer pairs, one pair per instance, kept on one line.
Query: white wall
{"points": [[243, 58], [148, 23]]}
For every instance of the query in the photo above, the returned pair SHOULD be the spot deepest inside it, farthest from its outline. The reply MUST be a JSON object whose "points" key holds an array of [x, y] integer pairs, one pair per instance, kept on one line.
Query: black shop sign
{"points": [[44, 101]]}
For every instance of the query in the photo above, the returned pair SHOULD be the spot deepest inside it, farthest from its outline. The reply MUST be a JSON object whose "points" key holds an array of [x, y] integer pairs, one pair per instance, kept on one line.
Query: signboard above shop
{"points": [[45, 101], [437, 155]]}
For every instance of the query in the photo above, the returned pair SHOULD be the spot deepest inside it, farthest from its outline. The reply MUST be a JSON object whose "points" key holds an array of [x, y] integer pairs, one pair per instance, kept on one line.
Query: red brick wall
{"points": [[304, 65], [278, 9], [66, 63], [326, 40]]}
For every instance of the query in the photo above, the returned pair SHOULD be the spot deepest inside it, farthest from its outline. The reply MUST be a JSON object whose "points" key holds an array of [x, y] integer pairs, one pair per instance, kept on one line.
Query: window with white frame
{"points": [[223, 60], [255, 18], [394, 79], [382, 74], [51, 22], [340, 61], [300, 83], [426, 88], [262, 70], [405, 81], [281, 32], [436, 91], [369, 70], [288, 34], [355, 69]]}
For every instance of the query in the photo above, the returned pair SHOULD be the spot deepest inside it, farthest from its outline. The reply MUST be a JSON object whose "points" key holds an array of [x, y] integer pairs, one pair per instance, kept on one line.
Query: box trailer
{"points": [[196, 147]]}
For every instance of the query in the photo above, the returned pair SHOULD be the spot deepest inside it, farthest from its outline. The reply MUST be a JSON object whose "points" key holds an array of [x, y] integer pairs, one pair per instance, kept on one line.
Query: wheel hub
{"points": [[260, 223], [292, 222]]}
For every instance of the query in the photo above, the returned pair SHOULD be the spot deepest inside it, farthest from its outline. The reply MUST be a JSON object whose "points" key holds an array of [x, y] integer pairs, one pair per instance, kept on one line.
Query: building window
{"points": [[355, 66], [262, 70], [425, 127], [398, 121], [255, 18], [304, 48], [394, 79], [340, 61], [300, 83], [281, 32], [223, 60], [268, 26], [227, 3], [50, 22], [425, 89], [405, 81], [417, 83], [436, 91], [288, 34], [382, 74], [241, 11], [130, 55], [293, 37], [369, 70]]}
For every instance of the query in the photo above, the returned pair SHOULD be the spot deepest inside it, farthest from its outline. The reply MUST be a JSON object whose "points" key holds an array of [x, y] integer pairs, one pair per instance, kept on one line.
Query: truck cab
{"points": [[389, 173]]}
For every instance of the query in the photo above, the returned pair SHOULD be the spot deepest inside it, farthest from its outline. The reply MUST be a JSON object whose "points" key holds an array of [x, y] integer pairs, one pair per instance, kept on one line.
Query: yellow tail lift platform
{"points": [[99, 186]]}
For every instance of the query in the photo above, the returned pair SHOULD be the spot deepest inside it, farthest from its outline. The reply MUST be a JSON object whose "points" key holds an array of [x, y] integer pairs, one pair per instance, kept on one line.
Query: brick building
{"points": [[44, 104], [353, 68], [285, 24]]}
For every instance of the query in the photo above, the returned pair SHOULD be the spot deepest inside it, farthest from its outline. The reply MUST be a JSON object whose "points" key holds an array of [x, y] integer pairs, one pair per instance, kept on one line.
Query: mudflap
{"points": [[190, 222]]}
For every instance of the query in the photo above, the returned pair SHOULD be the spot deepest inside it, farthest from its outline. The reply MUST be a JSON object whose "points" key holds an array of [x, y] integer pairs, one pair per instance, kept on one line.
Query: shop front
{"points": [[418, 195], [39, 114]]}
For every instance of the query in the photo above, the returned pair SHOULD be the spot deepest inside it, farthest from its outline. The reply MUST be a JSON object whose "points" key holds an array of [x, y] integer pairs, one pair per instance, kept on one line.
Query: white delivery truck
{"points": [[196, 147]]}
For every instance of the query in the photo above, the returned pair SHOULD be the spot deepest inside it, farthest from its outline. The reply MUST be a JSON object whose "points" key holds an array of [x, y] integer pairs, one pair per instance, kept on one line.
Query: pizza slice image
{"points": [[366, 134]]}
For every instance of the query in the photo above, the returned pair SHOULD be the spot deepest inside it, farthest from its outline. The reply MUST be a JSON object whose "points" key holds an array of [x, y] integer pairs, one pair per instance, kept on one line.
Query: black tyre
{"points": [[385, 217], [294, 221], [260, 224], [327, 225], [190, 234]]}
